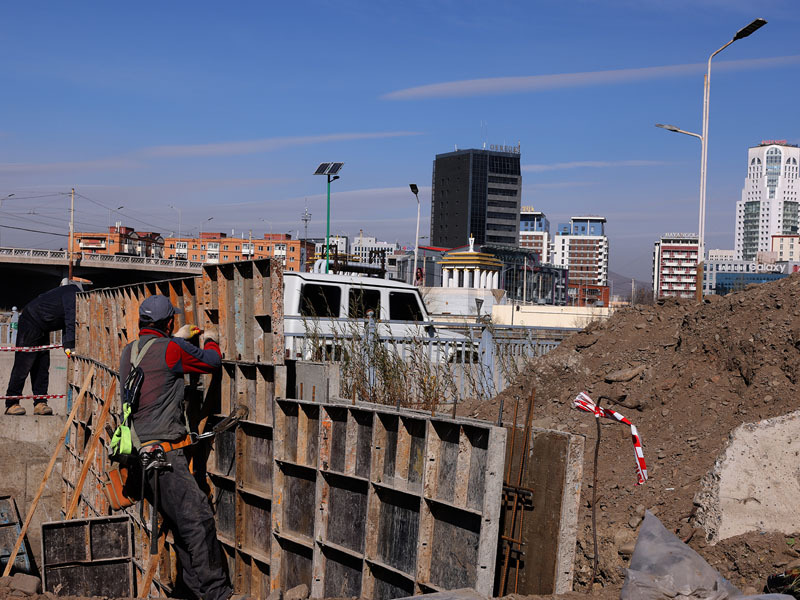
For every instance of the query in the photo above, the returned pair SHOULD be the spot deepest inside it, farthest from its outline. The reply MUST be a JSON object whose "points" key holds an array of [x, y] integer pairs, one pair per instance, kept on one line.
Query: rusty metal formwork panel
{"points": [[107, 319], [245, 301], [85, 557], [10, 526], [351, 499], [382, 504]]}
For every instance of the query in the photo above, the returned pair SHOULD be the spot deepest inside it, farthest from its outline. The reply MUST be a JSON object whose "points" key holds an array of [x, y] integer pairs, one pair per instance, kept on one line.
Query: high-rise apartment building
{"points": [[478, 193], [675, 265], [582, 246], [769, 204], [534, 232]]}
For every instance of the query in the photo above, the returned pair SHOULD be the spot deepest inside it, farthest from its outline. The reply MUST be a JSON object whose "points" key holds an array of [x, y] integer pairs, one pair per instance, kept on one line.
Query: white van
{"points": [[328, 306]]}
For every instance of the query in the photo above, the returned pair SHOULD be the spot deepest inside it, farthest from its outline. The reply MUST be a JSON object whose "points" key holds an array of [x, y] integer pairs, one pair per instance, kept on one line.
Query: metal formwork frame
{"points": [[351, 499]]}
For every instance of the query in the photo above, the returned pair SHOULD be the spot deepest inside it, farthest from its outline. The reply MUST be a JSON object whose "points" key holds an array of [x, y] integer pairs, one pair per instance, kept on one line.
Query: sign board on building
{"points": [[499, 148]]}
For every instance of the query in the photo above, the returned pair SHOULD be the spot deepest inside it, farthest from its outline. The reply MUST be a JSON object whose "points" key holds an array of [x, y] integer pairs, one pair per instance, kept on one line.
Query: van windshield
{"points": [[320, 300], [403, 306], [363, 300]]}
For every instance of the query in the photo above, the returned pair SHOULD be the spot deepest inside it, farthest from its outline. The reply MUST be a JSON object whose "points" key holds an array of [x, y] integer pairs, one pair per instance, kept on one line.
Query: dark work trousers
{"points": [[35, 363], [188, 515]]}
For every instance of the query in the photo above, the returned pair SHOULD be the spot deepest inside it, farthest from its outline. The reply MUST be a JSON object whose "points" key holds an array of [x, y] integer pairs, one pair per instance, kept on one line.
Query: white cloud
{"points": [[264, 145], [591, 164], [99, 164], [538, 83]]}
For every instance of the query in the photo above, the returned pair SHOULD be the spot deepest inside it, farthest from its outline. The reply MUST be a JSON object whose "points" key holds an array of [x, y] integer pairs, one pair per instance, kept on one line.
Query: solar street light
{"points": [[329, 169]]}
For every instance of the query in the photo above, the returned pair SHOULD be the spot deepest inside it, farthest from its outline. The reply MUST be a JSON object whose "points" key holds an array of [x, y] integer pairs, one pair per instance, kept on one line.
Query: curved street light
{"points": [[703, 137]]}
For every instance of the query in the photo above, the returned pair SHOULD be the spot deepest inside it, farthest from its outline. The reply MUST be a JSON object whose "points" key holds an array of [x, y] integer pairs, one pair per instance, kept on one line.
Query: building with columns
{"points": [[471, 269]]}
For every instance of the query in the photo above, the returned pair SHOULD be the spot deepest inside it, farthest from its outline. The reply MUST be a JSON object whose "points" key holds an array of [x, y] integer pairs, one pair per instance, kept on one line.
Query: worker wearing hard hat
{"points": [[48, 312]]}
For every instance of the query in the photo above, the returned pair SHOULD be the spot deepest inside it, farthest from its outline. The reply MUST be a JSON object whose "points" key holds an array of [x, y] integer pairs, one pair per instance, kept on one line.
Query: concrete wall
{"points": [[460, 301], [754, 484], [26, 445], [548, 316]]}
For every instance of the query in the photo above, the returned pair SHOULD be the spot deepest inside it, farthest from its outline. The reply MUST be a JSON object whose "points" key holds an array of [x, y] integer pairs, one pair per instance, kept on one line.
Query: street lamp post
{"points": [[330, 170], [203, 225], [742, 33], [178, 210], [110, 210], [415, 191]]}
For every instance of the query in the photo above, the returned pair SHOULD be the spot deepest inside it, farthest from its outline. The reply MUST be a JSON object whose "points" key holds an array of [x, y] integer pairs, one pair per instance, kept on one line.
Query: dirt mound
{"points": [[686, 374]]}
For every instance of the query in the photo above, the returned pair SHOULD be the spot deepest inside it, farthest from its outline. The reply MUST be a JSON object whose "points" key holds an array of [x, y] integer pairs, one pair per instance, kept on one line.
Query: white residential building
{"points": [[534, 233], [582, 246], [370, 251], [786, 247], [675, 265], [769, 204]]}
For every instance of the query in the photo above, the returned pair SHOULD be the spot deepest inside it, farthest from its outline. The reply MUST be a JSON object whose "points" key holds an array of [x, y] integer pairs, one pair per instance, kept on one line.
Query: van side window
{"points": [[404, 307], [363, 300], [320, 300]]}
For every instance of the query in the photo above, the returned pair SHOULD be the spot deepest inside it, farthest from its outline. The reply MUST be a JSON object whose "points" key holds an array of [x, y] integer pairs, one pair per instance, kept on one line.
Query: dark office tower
{"points": [[476, 192]]}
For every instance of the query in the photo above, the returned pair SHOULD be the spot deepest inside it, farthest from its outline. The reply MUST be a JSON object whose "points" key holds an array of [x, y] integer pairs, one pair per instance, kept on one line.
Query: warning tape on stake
{"points": [[29, 348], [584, 402], [39, 397]]}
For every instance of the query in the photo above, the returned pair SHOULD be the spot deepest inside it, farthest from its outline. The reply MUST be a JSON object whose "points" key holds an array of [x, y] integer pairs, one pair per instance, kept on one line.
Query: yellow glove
{"points": [[188, 331], [68, 352]]}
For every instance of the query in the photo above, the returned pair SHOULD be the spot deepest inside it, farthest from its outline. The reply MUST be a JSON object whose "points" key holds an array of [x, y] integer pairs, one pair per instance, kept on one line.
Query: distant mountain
{"points": [[621, 285]]}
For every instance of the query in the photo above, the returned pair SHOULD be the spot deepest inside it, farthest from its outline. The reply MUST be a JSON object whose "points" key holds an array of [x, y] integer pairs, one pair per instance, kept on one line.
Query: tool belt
{"points": [[124, 484], [168, 446]]}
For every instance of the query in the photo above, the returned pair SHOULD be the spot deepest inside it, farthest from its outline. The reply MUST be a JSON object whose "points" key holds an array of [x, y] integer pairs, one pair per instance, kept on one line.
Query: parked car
{"points": [[321, 309]]}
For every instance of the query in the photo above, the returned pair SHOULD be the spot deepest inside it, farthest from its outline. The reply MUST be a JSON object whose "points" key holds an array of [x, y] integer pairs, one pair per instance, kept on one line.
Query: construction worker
{"points": [[160, 425], [47, 312]]}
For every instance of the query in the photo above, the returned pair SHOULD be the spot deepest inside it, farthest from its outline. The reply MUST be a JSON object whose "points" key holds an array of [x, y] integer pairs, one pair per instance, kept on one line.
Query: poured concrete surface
{"points": [[58, 381], [755, 483], [26, 445]]}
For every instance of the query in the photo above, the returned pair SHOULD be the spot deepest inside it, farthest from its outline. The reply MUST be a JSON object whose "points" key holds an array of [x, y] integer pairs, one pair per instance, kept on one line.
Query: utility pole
{"points": [[633, 289], [71, 231], [305, 218]]}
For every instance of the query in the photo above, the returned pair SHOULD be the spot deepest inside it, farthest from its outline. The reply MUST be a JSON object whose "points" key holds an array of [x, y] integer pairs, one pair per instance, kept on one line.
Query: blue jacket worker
{"points": [[47, 312], [160, 424]]}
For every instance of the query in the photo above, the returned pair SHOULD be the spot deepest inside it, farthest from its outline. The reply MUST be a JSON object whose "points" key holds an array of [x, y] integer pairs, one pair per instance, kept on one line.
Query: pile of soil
{"points": [[697, 371]]}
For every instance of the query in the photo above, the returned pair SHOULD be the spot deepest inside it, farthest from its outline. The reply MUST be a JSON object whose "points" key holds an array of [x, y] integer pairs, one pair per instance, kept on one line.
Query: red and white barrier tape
{"points": [[584, 402], [29, 348], [40, 397]]}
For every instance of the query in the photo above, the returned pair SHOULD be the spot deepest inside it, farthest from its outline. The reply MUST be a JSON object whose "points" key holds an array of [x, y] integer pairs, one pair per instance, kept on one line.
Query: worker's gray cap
{"points": [[157, 308]]}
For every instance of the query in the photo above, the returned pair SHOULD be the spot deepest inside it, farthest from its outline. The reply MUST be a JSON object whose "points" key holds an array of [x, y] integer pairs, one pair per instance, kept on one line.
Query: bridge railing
{"points": [[141, 260], [101, 259], [34, 253]]}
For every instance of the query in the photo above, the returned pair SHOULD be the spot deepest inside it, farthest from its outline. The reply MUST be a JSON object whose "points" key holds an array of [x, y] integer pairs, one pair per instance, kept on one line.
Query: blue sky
{"points": [[224, 110]]}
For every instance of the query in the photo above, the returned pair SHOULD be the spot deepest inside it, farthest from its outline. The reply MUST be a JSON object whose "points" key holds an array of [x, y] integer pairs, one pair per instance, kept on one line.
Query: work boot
{"points": [[15, 409], [42, 409]]}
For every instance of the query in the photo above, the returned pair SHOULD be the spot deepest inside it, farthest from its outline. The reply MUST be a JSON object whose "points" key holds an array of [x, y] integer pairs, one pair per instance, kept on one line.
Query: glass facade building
{"points": [[769, 203], [476, 192]]}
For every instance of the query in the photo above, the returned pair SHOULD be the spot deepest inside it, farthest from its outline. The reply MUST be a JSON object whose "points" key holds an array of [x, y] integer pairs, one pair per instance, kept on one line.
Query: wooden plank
{"points": [[87, 458], [48, 470]]}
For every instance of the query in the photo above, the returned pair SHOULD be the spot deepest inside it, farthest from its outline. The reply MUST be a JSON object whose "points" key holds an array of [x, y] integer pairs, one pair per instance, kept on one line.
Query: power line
{"points": [[100, 204], [34, 230]]}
